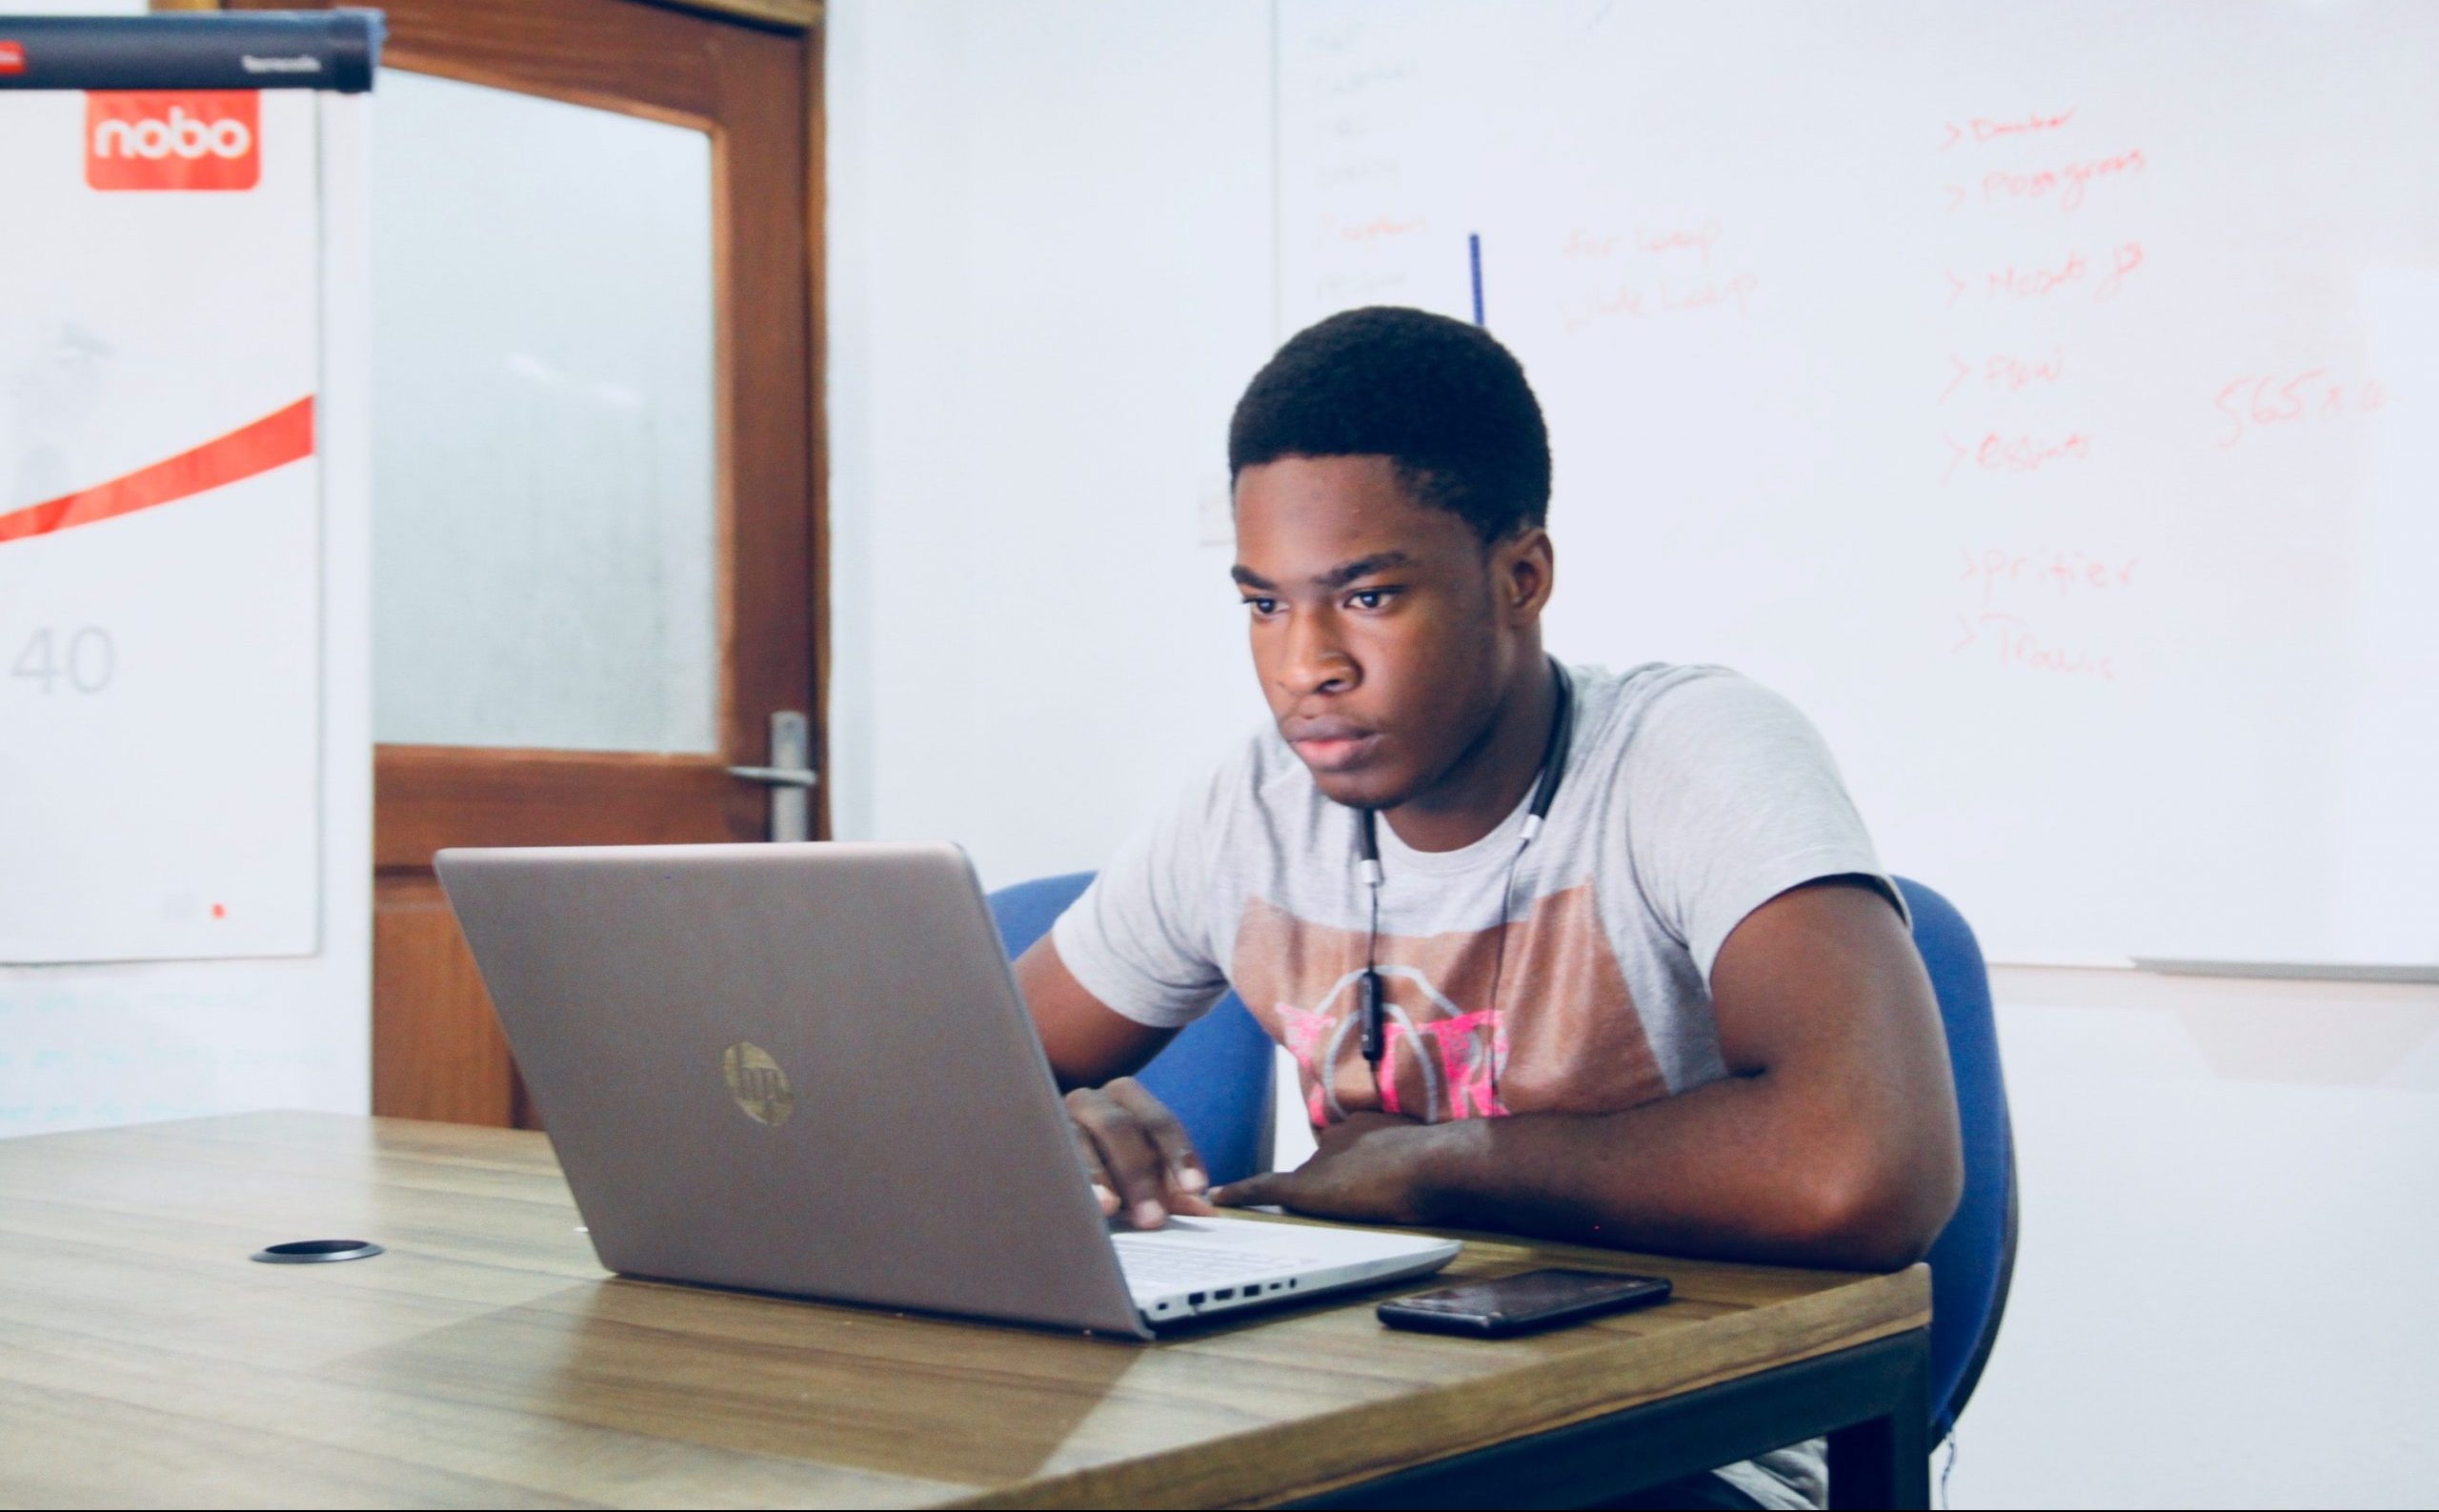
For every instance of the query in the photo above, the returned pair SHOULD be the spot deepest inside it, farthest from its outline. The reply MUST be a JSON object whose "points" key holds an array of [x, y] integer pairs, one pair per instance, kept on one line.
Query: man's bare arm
{"points": [[1832, 1140]]}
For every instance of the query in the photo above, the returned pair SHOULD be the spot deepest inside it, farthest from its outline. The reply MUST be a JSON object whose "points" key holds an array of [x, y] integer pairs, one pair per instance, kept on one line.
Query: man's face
{"points": [[1384, 633]]}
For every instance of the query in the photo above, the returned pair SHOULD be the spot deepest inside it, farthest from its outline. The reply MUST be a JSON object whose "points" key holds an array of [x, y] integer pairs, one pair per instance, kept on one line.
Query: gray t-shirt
{"points": [[1570, 974], [1691, 796]]}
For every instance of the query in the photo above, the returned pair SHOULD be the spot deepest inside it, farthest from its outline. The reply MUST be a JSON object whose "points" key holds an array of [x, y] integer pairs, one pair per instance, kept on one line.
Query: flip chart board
{"points": [[2044, 397], [160, 497]]}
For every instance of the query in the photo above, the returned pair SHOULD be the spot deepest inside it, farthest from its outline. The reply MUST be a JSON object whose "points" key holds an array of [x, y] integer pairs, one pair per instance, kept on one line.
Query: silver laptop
{"points": [[806, 1069]]}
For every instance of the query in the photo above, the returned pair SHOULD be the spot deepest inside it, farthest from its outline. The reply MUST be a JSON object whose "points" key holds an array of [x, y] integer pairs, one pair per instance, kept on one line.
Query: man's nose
{"points": [[1316, 660]]}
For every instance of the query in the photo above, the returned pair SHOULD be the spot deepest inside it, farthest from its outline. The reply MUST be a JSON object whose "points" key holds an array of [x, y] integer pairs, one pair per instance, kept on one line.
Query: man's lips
{"points": [[1331, 745]]}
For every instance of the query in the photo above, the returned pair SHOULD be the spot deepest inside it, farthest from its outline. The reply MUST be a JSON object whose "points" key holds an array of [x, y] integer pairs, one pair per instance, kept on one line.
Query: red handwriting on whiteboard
{"points": [[2004, 374], [1623, 302], [2105, 274], [1662, 296], [1361, 287], [1380, 167], [2015, 453], [2062, 572], [1709, 294], [2069, 181], [1378, 228], [1360, 81], [2122, 262], [1697, 240], [2016, 645], [2036, 282], [1983, 129], [2249, 403]]}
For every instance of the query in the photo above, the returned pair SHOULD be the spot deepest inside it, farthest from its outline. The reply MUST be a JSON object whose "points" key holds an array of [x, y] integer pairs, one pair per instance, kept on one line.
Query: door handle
{"points": [[776, 776], [790, 777]]}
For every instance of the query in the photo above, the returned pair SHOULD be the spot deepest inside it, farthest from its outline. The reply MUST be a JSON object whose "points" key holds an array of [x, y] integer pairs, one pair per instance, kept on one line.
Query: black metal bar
{"points": [[1885, 1462], [1864, 1399], [260, 50]]}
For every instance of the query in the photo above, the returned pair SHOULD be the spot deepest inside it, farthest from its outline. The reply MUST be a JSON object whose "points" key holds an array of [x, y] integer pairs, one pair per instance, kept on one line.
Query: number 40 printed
{"points": [[80, 660]]}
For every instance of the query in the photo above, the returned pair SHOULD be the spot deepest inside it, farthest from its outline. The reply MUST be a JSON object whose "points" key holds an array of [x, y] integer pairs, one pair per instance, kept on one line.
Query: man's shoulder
{"points": [[1659, 700], [1661, 734]]}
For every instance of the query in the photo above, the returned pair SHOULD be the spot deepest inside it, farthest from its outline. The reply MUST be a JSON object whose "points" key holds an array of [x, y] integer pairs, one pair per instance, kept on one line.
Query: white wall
{"points": [[2223, 1289], [1051, 272], [1050, 275]]}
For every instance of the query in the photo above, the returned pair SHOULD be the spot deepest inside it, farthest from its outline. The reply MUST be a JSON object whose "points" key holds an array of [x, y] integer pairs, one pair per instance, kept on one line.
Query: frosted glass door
{"points": [[597, 504], [546, 521]]}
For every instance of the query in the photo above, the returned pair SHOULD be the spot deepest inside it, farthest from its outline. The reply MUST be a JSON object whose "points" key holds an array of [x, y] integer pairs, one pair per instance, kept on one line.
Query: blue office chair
{"points": [[1975, 1256], [1217, 1077]]}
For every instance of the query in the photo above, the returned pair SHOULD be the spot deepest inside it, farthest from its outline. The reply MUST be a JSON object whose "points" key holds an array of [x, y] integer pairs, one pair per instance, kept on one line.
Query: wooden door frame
{"points": [[545, 797], [431, 765], [565, 794]]}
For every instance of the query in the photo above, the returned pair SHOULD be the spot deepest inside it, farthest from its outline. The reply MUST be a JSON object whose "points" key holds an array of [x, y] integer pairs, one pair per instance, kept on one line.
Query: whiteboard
{"points": [[2041, 396], [161, 519]]}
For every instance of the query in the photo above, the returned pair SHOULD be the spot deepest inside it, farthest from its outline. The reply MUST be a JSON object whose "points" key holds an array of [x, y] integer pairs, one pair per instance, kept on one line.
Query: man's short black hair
{"points": [[1437, 396]]}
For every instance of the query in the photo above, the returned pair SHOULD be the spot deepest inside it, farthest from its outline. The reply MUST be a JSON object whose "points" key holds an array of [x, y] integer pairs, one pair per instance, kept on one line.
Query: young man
{"points": [[1682, 1012]]}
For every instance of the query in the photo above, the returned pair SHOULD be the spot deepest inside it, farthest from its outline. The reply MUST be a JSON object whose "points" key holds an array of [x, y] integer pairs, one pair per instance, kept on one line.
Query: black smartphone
{"points": [[1522, 1303]]}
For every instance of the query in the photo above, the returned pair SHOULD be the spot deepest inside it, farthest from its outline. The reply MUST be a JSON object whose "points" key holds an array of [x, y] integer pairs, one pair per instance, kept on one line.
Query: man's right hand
{"points": [[1137, 1154], [1139, 1157]]}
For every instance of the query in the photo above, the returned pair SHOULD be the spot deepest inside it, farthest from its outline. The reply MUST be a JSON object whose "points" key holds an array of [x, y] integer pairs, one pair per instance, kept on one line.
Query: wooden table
{"points": [[486, 1360]]}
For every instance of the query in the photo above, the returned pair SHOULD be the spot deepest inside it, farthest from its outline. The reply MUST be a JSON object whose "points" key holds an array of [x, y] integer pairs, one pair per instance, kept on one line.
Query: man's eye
{"points": [[1261, 606], [1370, 597]]}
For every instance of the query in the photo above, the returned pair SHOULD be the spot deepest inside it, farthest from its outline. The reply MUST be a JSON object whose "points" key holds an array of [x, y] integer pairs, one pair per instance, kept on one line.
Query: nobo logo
{"points": [[172, 139], [758, 1083]]}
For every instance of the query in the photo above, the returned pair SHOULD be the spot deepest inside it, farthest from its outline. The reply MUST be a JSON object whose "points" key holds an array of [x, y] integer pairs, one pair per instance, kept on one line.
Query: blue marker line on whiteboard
{"points": [[1474, 248]]}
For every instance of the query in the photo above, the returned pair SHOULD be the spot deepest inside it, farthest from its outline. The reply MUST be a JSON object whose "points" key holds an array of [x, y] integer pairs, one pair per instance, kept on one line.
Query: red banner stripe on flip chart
{"points": [[277, 439]]}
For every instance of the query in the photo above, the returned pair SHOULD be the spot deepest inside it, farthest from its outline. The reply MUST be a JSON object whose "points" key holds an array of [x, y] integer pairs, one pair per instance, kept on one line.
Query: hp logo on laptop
{"points": [[758, 1083]]}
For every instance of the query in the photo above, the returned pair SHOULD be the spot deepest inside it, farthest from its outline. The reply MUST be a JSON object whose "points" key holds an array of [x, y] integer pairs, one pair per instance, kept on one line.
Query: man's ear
{"points": [[1522, 574]]}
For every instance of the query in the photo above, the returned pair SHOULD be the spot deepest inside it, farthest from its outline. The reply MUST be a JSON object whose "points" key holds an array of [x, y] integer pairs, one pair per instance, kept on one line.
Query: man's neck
{"points": [[1485, 784]]}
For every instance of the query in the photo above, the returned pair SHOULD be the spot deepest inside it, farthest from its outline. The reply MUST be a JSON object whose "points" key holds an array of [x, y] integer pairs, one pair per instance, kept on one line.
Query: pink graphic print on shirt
{"points": [[1563, 1036]]}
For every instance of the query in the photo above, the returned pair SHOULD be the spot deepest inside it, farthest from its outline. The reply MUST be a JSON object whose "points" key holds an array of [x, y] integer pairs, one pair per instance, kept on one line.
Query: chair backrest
{"points": [[1975, 1256], [1215, 1076]]}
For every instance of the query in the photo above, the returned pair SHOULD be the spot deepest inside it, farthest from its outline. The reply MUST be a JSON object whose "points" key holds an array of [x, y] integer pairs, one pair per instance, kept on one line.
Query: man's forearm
{"points": [[1833, 1141], [1734, 1170]]}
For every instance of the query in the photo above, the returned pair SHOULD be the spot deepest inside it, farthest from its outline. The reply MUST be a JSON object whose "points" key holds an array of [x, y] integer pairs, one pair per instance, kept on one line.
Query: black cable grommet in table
{"points": [[316, 1251]]}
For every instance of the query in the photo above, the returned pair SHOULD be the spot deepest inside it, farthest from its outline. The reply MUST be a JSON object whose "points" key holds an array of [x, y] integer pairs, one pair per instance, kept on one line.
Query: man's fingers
{"points": [[1105, 1190], [1267, 1190], [1136, 1166], [1168, 1135]]}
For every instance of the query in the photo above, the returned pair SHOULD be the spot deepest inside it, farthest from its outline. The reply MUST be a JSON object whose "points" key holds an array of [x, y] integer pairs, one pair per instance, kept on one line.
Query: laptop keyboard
{"points": [[1148, 1263]]}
